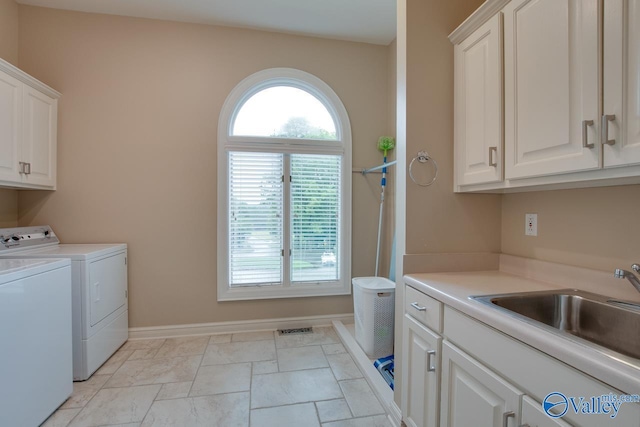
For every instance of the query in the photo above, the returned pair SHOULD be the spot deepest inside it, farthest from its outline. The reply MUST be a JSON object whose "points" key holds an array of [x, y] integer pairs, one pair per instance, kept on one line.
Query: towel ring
{"points": [[423, 157]]}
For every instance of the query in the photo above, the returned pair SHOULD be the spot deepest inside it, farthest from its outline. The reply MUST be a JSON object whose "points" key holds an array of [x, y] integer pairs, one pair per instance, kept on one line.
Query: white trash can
{"points": [[373, 303]]}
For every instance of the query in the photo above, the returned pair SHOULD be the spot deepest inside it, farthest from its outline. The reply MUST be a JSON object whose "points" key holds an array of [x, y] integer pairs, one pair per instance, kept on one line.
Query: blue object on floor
{"points": [[385, 366]]}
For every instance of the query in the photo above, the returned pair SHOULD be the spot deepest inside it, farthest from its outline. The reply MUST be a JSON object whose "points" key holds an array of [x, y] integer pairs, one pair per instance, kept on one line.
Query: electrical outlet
{"points": [[531, 224]]}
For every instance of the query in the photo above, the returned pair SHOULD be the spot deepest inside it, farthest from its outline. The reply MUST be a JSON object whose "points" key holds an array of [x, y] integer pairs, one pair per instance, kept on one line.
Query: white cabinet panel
{"points": [[478, 105], [420, 403], [10, 113], [622, 82], [472, 395], [551, 87], [39, 137], [534, 416]]}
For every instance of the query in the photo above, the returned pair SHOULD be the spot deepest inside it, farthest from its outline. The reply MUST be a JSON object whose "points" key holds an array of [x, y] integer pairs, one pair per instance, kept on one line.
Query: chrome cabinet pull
{"points": [[417, 307], [506, 416], [21, 167], [585, 140], [492, 161], [431, 366], [28, 168], [525, 425], [604, 137]]}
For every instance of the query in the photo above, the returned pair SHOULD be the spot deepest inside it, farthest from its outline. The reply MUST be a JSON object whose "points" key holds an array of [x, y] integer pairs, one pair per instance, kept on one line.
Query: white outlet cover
{"points": [[531, 224]]}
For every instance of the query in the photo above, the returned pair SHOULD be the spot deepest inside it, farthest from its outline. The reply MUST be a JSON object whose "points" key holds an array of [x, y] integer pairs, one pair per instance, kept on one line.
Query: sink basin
{"points": [[614, 325]]}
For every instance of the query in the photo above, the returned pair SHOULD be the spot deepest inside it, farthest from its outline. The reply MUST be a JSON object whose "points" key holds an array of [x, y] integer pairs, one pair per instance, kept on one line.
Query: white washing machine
{"points": [[35, 339], [100, 314]]}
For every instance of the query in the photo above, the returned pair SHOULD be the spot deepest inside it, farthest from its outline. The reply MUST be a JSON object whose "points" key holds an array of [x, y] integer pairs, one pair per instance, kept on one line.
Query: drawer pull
{"points": [[506, 416], [431, 366], [417, 307]]}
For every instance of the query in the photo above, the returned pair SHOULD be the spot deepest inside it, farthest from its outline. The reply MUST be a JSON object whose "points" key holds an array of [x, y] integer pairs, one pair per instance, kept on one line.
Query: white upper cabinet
{"points": [[621, 113], [478, 105], [551, 87], [28, 130], [10, 131]]}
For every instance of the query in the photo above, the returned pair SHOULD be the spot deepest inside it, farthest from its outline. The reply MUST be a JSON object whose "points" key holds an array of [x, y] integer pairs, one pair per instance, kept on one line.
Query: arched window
{"points": [[284, 189]]}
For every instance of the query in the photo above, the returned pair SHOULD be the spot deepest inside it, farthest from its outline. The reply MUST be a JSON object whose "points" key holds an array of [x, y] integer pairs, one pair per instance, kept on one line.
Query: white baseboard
{"points": [[172, 331], [395, 414]]}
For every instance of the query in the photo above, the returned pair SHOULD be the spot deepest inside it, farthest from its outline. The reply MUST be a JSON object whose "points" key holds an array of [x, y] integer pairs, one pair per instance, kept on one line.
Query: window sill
{"points": [[274, 291]]}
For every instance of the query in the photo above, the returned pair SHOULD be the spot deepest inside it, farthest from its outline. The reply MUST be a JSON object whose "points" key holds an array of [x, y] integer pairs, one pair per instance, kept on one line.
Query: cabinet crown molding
{"points": [[487, 10], [25, 78]]}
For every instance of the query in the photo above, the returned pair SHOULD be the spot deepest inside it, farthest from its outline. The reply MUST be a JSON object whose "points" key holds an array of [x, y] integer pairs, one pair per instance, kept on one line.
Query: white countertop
{"points": [[454, 289]]}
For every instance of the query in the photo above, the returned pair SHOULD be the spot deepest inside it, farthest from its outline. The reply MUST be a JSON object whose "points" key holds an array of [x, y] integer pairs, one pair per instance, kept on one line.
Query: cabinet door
{"points": [[622, 82], [108, 279], [478, 105], [10, 113], [551, 87], [473, 396], [39, 137], [534, 416], [420, 374]]}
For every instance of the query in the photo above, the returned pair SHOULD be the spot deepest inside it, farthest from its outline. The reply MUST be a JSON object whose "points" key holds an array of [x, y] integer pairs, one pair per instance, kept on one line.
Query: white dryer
{"points": [[35, 339], [99, 291]]}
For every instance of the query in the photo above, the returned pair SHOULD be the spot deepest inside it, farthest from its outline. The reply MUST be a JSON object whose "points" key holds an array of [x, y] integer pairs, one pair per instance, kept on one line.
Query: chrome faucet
{"points": [[624, 274]]}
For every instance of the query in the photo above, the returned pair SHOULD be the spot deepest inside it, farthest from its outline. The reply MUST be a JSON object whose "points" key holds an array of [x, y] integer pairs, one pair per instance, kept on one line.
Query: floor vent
{"points": [[295, 331]]}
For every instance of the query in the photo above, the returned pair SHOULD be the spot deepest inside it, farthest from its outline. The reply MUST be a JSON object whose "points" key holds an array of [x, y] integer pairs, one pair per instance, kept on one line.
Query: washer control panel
{"points": [[12, 239]]}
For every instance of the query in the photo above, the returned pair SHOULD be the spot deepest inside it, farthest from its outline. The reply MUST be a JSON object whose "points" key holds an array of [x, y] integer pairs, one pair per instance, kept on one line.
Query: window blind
{"points": [[315, 217], [255, 218]]}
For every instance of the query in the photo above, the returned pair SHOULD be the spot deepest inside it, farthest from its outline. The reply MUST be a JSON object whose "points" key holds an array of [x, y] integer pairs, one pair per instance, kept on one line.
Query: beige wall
{"points": [[437, 220], [9, 52], [137, 147], [592, 227]]}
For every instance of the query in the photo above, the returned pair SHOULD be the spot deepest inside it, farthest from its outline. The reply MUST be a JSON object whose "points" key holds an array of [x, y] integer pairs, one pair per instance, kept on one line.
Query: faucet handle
{"points": [[636, 268]]}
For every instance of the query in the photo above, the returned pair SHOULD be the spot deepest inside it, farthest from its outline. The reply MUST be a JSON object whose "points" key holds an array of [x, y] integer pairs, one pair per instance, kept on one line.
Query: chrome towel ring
{"points": [[423, 157]]}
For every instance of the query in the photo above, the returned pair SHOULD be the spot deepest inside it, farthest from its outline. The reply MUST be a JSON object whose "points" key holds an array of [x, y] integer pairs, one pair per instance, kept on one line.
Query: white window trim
{"points": [[342, 145]]}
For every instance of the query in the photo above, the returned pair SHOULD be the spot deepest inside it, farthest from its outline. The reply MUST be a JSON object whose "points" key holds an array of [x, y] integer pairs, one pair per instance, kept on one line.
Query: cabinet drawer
{"points": [[423, 308]]}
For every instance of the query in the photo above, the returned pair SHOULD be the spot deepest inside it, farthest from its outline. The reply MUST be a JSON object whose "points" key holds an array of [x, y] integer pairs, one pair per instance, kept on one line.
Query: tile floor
{"points": [[253, 379]]}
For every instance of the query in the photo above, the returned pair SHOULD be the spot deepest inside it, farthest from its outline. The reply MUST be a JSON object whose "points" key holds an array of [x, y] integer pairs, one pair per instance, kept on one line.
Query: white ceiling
{"points": [[370, 21]]}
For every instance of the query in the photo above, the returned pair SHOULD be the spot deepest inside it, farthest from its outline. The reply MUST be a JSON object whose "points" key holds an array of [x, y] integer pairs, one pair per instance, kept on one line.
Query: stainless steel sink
{"points": [[614, 325]]}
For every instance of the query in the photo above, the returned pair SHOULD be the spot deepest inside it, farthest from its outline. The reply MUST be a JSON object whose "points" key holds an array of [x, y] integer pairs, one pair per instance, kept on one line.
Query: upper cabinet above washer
{"points": [[569, 87], [28, 130]]}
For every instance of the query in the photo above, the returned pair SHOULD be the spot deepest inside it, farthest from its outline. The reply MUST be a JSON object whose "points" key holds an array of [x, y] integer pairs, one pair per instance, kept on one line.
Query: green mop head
{"points": [[386, 143]]}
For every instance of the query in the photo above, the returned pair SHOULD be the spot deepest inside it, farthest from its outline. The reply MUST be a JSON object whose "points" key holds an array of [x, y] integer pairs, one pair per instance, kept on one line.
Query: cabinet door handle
{"points": [[604, 137], [525, 425], [431, 366], [506, 416], [492, 161], [417, 307], [21, 167], [585, 140], [28, 168]]}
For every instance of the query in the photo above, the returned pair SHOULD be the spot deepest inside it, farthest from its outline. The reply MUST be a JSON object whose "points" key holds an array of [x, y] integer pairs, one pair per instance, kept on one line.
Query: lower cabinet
{"points": [[472, 395], [420, 380], [534, 416]]}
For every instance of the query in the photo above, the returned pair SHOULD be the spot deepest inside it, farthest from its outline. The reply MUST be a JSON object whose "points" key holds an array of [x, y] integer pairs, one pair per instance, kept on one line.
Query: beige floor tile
{"points": [[360, 398], [285, 416], [299, 358], [285, 388], [323, 335], [144, 353], [83, 391], [239, 352], [343, 367], [219, 339], [333, 410], [117, 406], [155, 371], [377, 421], [174, 390], [187, 346], [224, 410], [333, 349], [217, 379], [122, 425], [142, 344], [113, 364], [266, 367], [252, 336], [61, 418]]}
